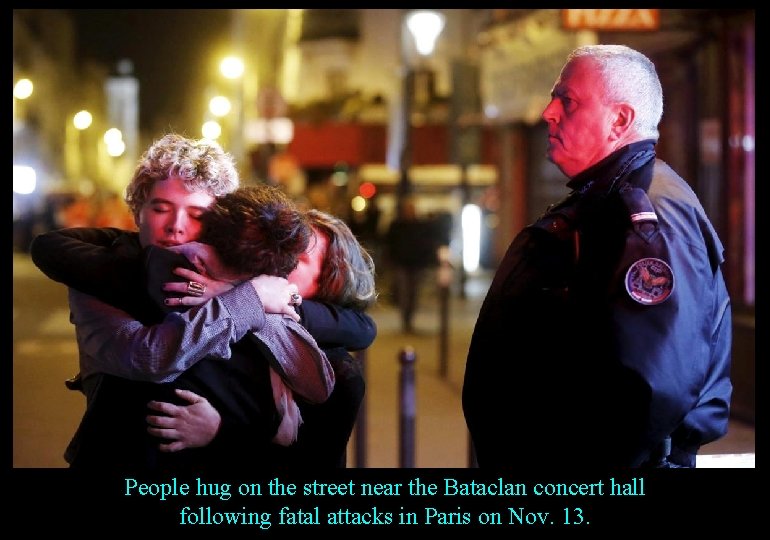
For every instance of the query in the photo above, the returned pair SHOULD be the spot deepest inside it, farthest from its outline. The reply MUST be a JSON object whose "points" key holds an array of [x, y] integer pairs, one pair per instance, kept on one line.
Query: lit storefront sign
{"points": [[611, 19]]}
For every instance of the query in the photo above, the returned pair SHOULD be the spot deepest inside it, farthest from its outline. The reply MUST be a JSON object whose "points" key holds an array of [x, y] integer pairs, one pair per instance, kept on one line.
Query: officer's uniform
{"points": [[605, 337]]}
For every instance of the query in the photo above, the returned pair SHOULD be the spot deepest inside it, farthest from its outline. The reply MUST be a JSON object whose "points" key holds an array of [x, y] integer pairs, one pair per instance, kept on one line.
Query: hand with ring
{"points": [[276, 295], [198, 288]]}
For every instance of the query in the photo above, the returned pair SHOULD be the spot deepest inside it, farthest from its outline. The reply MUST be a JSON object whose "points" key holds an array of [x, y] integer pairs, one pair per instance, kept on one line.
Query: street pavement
{"points": [[46, 414]]}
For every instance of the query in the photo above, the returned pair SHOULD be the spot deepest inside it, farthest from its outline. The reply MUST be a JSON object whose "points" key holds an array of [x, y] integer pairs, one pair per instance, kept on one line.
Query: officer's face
{"points": [[579, 123]]}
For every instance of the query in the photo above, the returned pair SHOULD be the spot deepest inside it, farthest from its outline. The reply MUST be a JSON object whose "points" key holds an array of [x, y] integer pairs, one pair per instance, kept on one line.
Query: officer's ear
{"points": [[624, 117]]}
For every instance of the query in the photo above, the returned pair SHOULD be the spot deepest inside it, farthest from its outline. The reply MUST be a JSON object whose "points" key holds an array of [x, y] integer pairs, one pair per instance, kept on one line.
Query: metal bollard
{"points": [[443, 342], [407, 403], [444, 281], [360, 429]]}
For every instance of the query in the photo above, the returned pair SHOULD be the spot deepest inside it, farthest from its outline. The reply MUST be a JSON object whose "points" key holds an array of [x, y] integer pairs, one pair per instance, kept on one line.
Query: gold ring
{"points": [[195, 288]]}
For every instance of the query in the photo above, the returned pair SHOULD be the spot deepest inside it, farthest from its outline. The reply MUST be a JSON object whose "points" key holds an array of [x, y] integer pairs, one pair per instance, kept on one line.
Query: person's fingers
{"points": [[175, 446], [175, 286], [166, 422], [200, 285], [294, 292], [190, 275], [169, 409], [187, 395], [163, 433], [185, 301]]}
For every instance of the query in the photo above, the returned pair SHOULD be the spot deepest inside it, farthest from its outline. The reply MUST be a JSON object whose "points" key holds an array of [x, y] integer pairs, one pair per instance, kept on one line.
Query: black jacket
{"points": [[588, 365]]}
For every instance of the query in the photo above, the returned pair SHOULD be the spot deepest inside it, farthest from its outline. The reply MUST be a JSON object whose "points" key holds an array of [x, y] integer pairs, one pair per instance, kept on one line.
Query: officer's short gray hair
{"points": [[630, 77]]}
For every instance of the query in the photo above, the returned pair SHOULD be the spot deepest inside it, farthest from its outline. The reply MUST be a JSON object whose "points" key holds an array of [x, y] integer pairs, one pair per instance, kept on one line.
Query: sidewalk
{"points": [[441, 437]]}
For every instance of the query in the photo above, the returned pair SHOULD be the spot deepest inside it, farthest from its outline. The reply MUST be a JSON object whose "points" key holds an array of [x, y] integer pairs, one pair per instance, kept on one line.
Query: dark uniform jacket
{"points": [[604, 339]]}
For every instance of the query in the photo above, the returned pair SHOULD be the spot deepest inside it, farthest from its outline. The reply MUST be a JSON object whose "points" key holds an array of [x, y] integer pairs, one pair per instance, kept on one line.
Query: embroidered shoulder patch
{"points": [[649, 281]]}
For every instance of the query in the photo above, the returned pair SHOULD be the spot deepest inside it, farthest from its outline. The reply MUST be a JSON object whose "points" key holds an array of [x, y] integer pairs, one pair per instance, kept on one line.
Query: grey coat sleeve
{"points": [[299, 361], [112, 342]]}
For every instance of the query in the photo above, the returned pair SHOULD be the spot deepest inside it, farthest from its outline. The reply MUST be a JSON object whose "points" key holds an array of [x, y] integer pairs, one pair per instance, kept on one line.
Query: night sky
{"points": [[169, 47]]}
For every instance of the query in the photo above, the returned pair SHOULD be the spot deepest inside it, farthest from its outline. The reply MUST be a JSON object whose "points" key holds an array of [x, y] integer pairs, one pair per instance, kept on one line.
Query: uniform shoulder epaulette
{"points": [[640, 211]]}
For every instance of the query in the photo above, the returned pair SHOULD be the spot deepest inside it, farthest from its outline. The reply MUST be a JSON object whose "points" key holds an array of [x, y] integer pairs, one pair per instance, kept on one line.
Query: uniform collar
{"points": [[601, 177]]}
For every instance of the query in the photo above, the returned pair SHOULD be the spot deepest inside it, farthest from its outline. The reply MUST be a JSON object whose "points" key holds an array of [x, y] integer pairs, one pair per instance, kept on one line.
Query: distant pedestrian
{"points": [[412, 247]]}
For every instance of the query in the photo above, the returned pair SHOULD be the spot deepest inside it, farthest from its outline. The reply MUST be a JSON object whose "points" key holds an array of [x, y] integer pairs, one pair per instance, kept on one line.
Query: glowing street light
{"points": [[74, 156], [424, 27], [219, 106], [113, 138], [82, 120], [211, 130], [23, 89], [24, 179], [232, 67]]}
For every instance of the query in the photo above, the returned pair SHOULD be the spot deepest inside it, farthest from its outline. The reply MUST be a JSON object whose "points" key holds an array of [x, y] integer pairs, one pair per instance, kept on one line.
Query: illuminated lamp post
{"points": [[74, 147], [22, 90], [424, 27], [220, 107], [232, 68]]}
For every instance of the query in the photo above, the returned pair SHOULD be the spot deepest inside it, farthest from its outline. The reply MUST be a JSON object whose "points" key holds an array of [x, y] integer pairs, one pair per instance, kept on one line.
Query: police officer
{"points": [[605, 336]]}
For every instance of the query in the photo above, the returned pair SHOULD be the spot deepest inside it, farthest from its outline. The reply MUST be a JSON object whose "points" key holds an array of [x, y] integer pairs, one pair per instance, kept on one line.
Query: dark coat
{"points": [[582, 373]]}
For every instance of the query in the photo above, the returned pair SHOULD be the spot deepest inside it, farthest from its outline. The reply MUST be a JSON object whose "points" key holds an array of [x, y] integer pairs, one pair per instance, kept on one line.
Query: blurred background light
{"points": [[425, 26], [24, 179], [219, 106], [211, 130], [471, 224], [358, 203], [82, 120], [23, 89], [367, 190], [112, 135], [231, 67], [116, 148]]}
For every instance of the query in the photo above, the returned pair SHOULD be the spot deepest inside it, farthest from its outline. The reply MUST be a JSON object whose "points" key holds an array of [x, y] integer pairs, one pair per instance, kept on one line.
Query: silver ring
{"points": [[195, 288], [295, 299]]}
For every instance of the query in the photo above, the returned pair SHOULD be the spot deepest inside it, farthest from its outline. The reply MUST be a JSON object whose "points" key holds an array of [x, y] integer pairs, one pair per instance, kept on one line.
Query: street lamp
{"points": [[23, 89], [113, 139], [211, 130], [219, 106], [74, 147], [22, 138], [232, 68], [424, 26]]}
